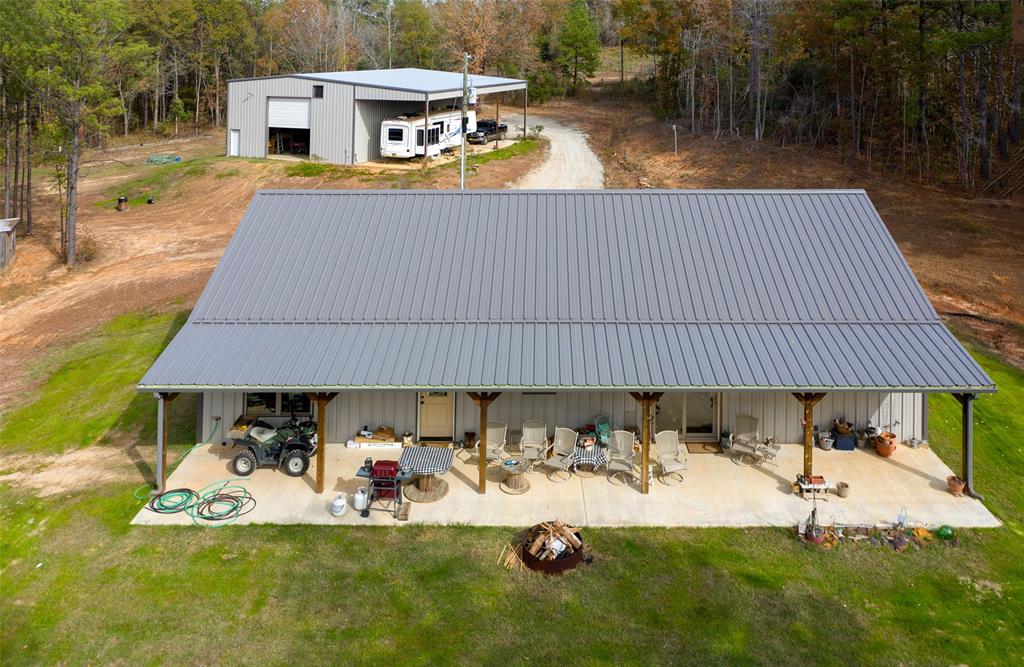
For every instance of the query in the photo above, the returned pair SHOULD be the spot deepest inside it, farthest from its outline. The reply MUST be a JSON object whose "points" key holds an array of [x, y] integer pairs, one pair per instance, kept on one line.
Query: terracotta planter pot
{"points": [[885, 444], [956, 485]]}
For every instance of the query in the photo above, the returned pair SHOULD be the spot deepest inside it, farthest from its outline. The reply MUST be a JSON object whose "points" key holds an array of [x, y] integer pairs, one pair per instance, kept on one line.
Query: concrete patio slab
{"points": [[716, 492]]}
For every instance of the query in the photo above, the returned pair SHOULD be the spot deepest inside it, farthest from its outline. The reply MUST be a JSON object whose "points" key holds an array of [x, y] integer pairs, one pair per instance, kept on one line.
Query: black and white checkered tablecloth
{"points": [[590, 456], [427, 460]]}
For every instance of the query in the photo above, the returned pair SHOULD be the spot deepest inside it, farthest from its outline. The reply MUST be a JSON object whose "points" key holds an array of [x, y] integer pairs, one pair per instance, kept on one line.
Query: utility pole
{"points": [[465, 94]]}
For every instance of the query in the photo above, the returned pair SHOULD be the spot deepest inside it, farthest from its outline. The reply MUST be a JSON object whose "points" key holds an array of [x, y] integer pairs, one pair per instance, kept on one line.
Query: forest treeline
{"points": [[915, 86], [925, 88]]}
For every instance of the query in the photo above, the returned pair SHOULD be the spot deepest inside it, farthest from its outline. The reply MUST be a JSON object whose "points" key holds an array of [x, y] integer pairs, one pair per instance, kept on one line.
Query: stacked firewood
{"points": [[552, 540]]}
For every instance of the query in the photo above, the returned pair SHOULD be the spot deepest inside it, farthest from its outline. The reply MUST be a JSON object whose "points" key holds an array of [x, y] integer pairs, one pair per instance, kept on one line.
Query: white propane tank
{"points": [[340, 504], [359, 501]]}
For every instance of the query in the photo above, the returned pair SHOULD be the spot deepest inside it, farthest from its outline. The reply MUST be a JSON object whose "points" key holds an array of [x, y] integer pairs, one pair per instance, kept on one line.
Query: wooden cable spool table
{"points": [[427, 463], [515, 482]]}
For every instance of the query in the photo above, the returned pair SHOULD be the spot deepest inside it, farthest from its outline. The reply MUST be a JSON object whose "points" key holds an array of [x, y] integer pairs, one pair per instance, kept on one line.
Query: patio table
{"points": [[593, 455], [427, 463]]}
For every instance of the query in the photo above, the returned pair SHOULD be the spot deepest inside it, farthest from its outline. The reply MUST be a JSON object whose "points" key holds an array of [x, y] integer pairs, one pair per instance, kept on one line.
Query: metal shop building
{"points": [[336, 116], [693, 307]]}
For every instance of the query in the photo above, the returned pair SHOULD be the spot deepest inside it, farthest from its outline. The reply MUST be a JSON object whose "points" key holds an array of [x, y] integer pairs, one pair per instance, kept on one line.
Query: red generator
{"points": [[386, 485]]}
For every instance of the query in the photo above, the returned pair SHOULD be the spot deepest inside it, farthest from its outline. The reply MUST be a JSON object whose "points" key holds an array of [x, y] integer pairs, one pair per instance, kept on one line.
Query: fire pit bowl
{"points": [[570, 557]]}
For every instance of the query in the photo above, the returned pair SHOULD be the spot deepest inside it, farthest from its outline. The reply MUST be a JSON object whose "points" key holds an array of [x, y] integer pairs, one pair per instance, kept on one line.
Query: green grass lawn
{"points": [[81, 586], [156, 180]]}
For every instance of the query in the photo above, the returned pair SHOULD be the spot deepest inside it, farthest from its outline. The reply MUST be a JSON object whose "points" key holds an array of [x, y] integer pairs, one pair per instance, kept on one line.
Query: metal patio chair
{"points": [[496, 434], [621, 457], [744, 449], [561, 460], [534, 444], [670, 457]]}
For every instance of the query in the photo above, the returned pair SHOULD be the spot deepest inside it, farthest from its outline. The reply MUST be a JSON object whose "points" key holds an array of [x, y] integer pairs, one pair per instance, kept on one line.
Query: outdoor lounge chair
{"points": [[744, 441], [495, 442], [564, 452], [671, 459], [621, 456], [534, 444]]}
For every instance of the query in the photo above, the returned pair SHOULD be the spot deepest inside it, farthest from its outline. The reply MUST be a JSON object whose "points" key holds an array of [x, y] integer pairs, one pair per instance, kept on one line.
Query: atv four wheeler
{"points": [[288, 446]]}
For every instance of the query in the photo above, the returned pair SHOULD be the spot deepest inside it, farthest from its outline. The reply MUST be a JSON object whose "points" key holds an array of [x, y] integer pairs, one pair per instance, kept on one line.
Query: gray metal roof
{"points": [[409, 79], [638, 289]]}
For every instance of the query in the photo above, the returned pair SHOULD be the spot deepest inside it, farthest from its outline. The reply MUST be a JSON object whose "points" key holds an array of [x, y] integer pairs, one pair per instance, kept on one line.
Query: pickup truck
{"points": [[486, 130]]}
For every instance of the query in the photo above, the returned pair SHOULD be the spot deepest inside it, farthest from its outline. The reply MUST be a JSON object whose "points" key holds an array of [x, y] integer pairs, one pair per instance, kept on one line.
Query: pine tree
{"points": [[579, 46]]}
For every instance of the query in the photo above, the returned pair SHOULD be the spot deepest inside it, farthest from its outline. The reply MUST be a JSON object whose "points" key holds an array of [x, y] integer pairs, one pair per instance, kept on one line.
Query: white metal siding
{"points": [[369, 116], [330, 117], [288, 112], [778, 412]]}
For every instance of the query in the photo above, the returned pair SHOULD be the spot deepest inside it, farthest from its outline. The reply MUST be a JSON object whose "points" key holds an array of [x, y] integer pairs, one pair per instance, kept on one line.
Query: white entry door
{"points": [[437, 415], [234, 142], [288, 112]]}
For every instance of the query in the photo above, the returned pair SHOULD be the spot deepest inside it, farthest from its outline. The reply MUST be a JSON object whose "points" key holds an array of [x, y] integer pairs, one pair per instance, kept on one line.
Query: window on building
{"points": [[318, 92], [295, 404], [261, 404], [396, 134]]}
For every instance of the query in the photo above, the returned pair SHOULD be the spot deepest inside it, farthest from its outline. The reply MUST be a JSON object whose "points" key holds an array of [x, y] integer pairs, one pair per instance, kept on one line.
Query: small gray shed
{"points": [[8, 232], [336, 116]]}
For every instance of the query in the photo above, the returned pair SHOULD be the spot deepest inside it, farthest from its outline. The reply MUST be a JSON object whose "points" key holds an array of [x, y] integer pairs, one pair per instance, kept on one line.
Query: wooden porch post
{"points": [[967, 443], [808, 400], [321, 399], [162, 438], [483, 400], [647, 400]]}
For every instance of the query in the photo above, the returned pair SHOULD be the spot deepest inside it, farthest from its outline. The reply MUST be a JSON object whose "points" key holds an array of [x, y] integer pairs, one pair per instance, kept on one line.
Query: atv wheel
{"points": [[296, 463], [244, 463]]}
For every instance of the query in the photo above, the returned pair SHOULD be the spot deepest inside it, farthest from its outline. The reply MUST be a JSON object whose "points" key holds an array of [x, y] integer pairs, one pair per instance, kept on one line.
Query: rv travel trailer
{"points": [[403, 136]]}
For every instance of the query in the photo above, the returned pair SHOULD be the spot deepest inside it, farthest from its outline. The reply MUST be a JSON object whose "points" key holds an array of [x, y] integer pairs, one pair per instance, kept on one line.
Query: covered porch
{"points": [[715, 492]]}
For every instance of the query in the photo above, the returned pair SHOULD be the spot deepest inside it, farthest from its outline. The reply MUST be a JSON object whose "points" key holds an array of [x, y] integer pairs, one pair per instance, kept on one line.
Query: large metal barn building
{"points": [[336, 116]]}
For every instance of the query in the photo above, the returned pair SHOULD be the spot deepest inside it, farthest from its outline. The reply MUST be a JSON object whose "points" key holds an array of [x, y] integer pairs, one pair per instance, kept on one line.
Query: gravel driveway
{"points": [[570, 165]]}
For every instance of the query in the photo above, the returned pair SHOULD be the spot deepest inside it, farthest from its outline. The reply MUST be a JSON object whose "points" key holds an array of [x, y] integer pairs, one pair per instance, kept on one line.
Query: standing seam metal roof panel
{"points": [[549, 289]]}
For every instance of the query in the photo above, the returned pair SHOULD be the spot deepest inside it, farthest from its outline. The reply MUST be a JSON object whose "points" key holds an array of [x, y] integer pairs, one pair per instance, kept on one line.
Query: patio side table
{"points": [[515, 482]]}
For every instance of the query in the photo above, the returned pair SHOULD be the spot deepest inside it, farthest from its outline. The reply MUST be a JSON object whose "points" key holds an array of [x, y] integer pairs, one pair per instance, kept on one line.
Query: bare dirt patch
{"points": [[967, 253], [75, 470]]}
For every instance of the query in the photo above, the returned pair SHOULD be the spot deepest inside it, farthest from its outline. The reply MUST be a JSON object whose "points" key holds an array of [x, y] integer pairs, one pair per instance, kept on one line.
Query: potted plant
{"points": [[956, 485], [885, 444], [725, 440]]}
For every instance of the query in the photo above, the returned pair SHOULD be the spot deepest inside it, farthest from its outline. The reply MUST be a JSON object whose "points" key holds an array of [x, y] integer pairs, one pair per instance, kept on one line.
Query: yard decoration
{"points": [[885, 444], [956, 485]]}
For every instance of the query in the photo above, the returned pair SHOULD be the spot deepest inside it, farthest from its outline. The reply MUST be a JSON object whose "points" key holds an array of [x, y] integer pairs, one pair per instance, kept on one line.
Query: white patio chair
{"points": [[671, 459], [496, 432], [534, 444], [562, 458], [621, 457], [745, 440]]}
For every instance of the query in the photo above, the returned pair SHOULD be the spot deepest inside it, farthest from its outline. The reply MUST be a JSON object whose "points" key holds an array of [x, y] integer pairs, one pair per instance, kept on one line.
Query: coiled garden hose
{"points": [[218, 504]]}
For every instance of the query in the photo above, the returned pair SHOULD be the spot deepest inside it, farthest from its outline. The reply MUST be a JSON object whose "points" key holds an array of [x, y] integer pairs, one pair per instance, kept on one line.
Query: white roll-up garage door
{"points": [[291, 112]]}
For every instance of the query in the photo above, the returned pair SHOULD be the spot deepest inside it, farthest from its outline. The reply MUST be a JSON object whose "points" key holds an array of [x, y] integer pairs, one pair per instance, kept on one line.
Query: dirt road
{"points": [[570, 165]]}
